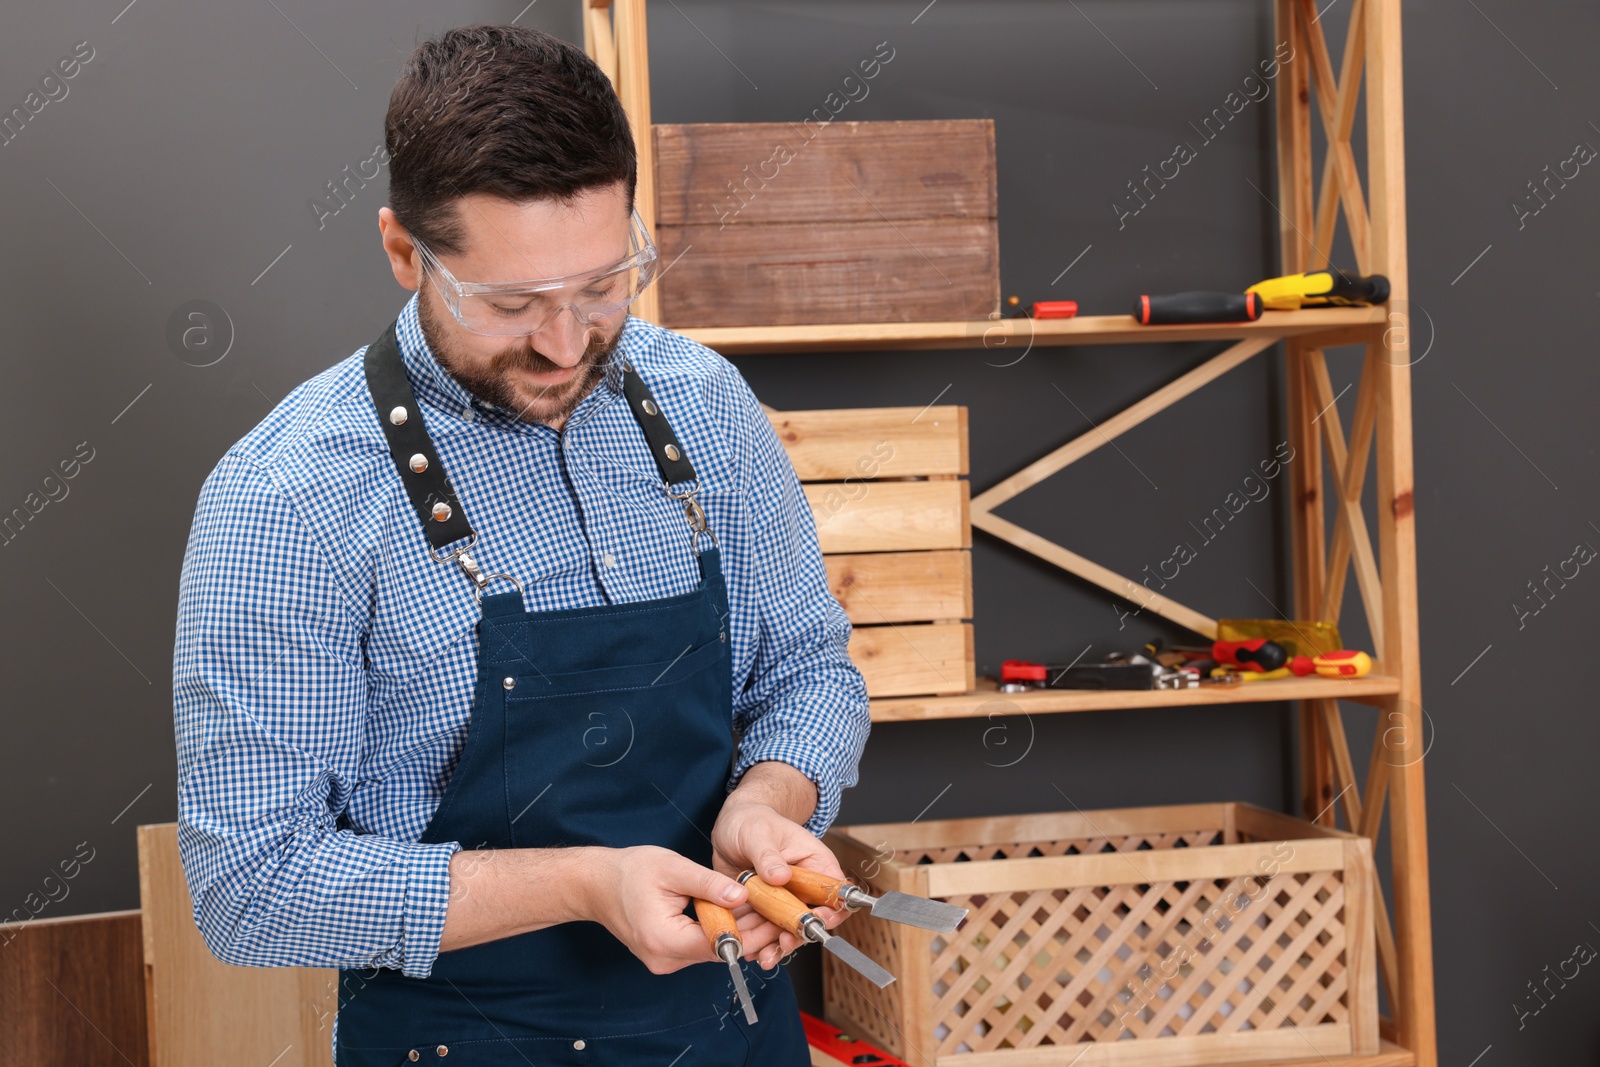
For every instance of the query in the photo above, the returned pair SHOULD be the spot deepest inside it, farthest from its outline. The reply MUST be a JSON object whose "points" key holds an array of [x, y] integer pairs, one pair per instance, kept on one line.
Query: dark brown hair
{"points": [[502, 110]]}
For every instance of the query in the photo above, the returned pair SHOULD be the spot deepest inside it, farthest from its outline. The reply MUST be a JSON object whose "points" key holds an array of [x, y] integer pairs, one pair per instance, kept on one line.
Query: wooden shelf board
{"points": [[1389, 1055], [987, 699], [1014, 334]]}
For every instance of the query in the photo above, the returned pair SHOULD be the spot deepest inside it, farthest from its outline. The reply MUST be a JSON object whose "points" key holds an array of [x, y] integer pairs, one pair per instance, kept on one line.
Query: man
{"points": [[469, 623]]}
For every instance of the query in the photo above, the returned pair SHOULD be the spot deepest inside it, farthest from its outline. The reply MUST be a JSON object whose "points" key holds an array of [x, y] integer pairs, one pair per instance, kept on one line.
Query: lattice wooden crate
{"points": [[1198, 934]]}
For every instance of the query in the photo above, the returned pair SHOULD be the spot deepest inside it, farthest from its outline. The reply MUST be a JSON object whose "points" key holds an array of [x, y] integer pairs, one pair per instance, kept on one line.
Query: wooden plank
{"points": [[907, 837], [749, 174], [1119, 868], [986, 699], [1266, 824], [72, 991], [884, 587], [1018, 334], [1120, 423], [890, 516], [828, 271], [931, 658], [855, 443], [1202, 1050], [1360, 903], [1090, 571], [633, 64], [1414, 1005], [204, 1012], [1347, 480]]}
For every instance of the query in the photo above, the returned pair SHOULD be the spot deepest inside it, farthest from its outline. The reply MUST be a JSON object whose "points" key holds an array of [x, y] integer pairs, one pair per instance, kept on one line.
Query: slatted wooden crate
{"points": [[887, 490], [777, 223], [1200, 934]]}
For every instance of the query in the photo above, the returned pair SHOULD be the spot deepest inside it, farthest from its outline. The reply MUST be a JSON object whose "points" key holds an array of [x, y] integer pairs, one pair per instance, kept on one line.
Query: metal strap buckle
{"points": [[696, 516], [469, 567]]}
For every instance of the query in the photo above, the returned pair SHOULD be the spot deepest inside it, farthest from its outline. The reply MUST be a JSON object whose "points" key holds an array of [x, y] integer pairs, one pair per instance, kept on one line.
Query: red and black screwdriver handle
{"points": [[1257, 654]]}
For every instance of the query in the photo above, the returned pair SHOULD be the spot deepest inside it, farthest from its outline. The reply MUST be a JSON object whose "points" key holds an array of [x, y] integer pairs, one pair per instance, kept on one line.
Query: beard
{"points": [[496, 383]]}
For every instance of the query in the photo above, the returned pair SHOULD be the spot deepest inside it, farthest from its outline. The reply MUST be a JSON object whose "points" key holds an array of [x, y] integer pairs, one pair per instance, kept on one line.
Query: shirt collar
{"points": [[434, 385]]}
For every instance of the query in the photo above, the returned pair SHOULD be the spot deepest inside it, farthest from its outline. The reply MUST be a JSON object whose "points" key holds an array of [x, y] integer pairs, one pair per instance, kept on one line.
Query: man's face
{"points": [[540, 377]]}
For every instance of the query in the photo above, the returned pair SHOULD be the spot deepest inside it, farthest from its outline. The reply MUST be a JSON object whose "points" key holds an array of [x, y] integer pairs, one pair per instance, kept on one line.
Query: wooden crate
{"points": [[775, 223], [1200, 934], [887, 492]]}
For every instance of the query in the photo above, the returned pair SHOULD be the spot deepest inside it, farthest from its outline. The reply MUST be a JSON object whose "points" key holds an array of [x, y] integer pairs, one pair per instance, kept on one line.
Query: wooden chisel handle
{"points": [[816, 888], [715, 920], [776, 904]]}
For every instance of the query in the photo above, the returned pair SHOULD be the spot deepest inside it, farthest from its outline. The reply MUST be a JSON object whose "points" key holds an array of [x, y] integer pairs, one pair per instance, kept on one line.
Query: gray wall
{"points": [[179, 165]]}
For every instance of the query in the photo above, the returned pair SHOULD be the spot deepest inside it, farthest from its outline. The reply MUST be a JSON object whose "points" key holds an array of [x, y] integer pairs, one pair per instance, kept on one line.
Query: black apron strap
{"points": [[432, 496], [423, 475]]}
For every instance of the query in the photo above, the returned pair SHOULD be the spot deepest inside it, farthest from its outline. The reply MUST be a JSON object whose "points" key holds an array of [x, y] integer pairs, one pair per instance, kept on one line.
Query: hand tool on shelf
{"points": [[1235, 674], [723, 933], [1117, 671], [1256, 654], [1166, 309], [1321, 288], [1344, 663], [1042, 309], [813, 887], [787, 910]]}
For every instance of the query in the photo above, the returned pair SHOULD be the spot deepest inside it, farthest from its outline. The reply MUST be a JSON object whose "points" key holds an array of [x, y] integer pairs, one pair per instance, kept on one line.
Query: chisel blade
{"points": [[933, 915], [854, 957], [742, 990]]}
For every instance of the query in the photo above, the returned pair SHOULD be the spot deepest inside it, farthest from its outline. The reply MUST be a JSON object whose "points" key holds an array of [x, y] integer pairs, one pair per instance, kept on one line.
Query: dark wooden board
{"points": [[899, 170], [829, 272], [72, 992]]}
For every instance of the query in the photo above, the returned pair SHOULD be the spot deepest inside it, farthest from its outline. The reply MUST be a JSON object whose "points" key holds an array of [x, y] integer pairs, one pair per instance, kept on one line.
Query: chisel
{"points": [[723, 933], [815, 888], [789, 912]]}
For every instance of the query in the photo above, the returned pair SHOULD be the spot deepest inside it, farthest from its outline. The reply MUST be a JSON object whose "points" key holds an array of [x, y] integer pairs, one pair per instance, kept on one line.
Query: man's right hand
{"points": [[637, 893], [640, 893]]}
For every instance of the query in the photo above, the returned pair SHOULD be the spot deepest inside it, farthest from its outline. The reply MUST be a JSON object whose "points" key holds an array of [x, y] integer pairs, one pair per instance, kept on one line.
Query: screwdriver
{"points": [[814, 887], [1320, 289], [1168, 309], [790, 913], [1345, 663], [723, 933]]}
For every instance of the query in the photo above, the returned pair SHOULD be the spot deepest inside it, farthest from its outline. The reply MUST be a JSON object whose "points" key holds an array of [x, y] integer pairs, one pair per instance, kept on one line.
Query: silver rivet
{"points": [[649, 406], [672, 452], [441, 512], [413, 1056], [580, 1044], [509, 683], [723, 637], [419, 463], [443, 1050], [398, 415]]}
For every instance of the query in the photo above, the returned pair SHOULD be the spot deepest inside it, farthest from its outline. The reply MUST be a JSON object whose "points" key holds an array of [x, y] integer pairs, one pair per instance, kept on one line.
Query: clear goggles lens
{"points": [[514, 309]]}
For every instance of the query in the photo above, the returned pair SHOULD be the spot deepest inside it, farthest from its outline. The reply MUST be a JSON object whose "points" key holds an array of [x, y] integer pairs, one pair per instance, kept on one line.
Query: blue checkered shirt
{"points": [[324, 665]]}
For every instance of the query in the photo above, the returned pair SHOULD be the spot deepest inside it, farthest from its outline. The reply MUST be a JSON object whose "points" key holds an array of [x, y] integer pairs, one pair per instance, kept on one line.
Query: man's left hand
{"points": [[759, 829]]}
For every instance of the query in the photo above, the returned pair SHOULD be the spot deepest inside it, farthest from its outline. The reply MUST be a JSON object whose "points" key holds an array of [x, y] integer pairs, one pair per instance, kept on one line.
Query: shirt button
{"points": [[580, 1044], [609, 560]]}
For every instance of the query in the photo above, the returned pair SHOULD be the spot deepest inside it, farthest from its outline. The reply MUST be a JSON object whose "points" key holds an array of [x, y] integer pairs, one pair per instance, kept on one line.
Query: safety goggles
{"points": [[514, 309]]}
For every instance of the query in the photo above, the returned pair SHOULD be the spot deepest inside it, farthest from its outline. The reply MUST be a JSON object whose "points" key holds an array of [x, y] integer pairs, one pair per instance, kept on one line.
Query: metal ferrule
{"points": [[852, 896]]}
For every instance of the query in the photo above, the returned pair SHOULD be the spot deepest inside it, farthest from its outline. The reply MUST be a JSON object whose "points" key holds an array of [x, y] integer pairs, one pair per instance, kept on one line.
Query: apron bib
{"points": [[608, 726]]}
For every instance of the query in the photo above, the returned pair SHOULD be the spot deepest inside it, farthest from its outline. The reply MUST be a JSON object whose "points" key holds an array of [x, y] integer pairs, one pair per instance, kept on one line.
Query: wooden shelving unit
{"points": [[1311, 201]]}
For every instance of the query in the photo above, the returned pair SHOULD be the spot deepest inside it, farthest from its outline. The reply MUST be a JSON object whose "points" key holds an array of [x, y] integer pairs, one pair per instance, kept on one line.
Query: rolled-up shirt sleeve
{"points": [[805, 702], [270, 694]]}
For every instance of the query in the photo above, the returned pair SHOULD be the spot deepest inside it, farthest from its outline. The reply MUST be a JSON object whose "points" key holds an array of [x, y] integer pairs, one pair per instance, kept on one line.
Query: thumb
{"points": [[693, 880], [770, 864]]}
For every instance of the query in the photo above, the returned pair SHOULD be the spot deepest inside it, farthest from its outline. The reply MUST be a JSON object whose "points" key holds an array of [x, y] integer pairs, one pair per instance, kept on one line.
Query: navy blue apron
{"points": [[609, 726]]}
